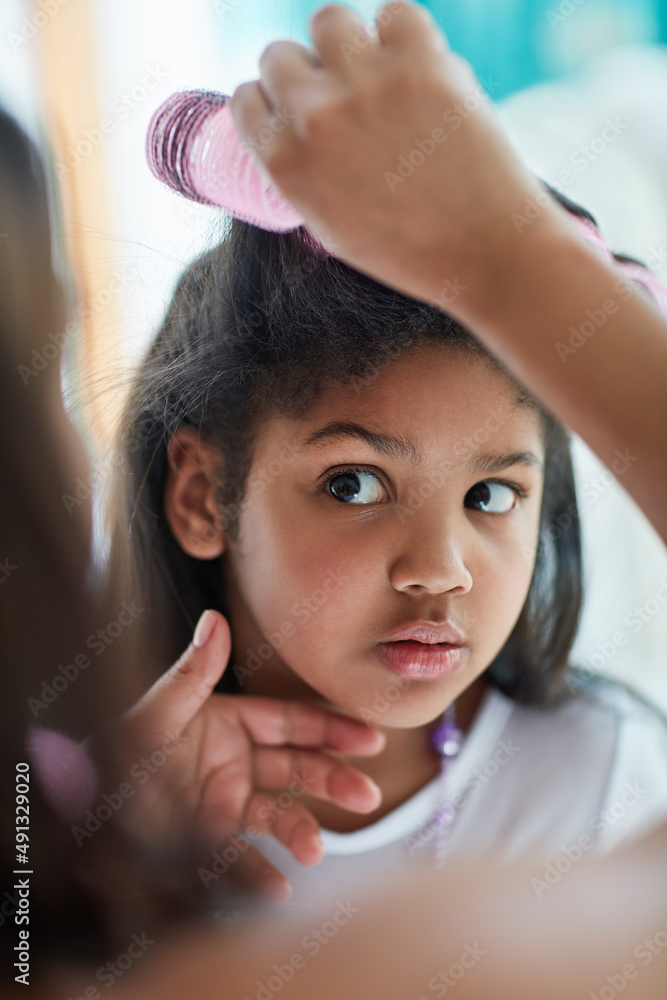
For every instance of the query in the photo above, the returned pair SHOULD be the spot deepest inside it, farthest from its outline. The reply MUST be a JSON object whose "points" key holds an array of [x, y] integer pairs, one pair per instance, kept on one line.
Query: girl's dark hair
{"points": [[45, 610], [82, 899], [261, 323]]}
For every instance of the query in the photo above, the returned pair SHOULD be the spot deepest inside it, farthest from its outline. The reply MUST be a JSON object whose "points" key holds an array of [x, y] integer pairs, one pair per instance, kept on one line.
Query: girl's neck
{"points": [[407, 763]]}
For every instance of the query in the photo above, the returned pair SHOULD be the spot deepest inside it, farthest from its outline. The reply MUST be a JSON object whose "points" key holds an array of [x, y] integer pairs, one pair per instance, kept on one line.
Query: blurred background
{"points": [[581, 86]]}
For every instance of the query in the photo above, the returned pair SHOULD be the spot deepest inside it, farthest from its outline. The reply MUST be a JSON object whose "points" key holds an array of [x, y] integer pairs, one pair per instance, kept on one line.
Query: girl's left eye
{"points": [[491, 497], [357, 486]]}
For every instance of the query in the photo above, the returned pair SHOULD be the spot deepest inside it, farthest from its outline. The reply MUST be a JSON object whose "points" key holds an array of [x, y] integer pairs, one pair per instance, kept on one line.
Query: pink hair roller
{"points": [[193, 146]]}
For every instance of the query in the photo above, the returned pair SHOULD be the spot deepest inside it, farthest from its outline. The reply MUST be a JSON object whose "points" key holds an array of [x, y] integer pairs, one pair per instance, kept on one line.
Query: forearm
{"points": [[589, 345]]}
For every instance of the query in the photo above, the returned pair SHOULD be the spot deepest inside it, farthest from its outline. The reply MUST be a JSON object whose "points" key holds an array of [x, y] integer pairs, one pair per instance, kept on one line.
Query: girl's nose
{"points": [[430, 560]]}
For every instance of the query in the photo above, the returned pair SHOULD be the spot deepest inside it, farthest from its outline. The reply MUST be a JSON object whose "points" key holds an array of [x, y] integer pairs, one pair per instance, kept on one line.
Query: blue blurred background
{"points": [[516, 42], [523, 42]]}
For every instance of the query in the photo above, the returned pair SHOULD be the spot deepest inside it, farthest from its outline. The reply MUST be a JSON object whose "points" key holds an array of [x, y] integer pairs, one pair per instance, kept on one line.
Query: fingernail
{"points": [[204, 629]]}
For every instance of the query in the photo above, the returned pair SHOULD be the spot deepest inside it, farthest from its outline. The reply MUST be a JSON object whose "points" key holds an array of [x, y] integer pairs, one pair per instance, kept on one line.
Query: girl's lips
{"points": [[419, 661]]}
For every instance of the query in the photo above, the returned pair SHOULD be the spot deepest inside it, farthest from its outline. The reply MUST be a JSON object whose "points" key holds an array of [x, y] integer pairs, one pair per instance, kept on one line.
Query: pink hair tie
{"points": [[647, 280]]}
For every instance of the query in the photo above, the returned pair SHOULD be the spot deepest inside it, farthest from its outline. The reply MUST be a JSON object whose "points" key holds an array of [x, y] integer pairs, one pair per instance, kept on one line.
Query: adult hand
{"points": [[400, 124], [216, 763]]}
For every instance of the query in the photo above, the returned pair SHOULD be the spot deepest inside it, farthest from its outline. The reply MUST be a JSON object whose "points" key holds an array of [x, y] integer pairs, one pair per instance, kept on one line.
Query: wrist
{"points": [[518, 273]]}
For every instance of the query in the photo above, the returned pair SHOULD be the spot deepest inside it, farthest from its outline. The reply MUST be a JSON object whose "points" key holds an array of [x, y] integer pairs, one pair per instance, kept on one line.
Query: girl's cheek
{"points": [[501, 584]]}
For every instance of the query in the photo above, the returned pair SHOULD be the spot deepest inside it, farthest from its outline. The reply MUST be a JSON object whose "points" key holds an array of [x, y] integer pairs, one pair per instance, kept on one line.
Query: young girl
{"points": [[376, 508]]}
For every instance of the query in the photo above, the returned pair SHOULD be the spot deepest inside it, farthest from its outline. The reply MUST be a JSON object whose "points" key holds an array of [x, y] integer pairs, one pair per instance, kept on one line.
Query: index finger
{"points": [[285, 66], [274, 722], [176, 697], [338, 33], [408, 26]]}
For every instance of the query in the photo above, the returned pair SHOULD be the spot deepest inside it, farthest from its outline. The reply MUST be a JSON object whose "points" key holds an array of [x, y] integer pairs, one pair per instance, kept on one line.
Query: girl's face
{"points": [[409, 501]]}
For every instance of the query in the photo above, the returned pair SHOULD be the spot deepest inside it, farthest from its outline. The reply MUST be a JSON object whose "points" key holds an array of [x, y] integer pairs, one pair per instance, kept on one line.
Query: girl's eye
{"points": [[356, 486], [492, 498]]}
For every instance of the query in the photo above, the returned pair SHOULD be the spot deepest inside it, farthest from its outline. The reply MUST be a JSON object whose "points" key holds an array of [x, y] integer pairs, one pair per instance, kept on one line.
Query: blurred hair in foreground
{"points": [[50, 602]]}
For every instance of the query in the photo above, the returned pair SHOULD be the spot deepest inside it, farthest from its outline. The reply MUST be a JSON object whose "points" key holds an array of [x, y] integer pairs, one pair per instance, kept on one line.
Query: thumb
{"points": [[177, 696]]}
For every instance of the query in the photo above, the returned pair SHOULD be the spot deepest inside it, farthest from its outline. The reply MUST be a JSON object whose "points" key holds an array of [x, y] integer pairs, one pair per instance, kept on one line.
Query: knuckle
{"points": [[415, 11], [313, 123], [281, 163], [270, 54], [183, 668], [242, 93], [320, 123], [412, 75], [323, 16]]}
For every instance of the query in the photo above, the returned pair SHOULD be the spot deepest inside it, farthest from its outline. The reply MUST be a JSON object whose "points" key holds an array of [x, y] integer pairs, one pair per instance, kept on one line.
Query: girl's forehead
{"points": [[432, 399], [444, 373]]}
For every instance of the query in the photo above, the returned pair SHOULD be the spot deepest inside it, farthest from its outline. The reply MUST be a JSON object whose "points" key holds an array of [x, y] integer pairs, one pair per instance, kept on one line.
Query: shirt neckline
{"points": [[488, 724]]}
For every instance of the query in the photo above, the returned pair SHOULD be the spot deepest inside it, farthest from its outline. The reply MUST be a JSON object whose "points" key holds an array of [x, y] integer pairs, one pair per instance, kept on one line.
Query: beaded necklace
{"points": [[446, 740]]}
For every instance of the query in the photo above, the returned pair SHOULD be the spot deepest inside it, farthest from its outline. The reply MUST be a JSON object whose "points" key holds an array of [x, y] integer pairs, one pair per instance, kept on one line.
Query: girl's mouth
{"points": [[421, 661]]}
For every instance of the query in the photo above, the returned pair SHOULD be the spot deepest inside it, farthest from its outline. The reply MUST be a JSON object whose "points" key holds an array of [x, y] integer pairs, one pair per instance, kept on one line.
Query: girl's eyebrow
{"points": [[395, 447], [495, 463], [383, 443]]}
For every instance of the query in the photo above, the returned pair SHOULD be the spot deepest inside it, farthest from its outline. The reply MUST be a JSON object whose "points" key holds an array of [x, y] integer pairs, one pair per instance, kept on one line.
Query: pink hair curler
{"points": [[194, 148]]}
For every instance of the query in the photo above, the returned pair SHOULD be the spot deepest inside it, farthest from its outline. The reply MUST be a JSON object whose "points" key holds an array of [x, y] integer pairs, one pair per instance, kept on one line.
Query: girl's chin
{"points": [[401, 713], [396, 703]]}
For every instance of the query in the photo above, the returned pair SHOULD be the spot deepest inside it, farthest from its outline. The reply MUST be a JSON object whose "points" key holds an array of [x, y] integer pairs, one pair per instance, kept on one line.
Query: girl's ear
{"points": [[189, 494]]}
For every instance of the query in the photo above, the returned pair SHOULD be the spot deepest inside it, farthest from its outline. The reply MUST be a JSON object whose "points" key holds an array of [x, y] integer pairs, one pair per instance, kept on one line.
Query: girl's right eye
{"points": [[357, 486]]}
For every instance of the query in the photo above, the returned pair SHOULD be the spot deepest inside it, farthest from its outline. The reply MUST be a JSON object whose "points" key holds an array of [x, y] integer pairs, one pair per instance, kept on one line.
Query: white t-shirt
{"points": [[557, 783]]}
